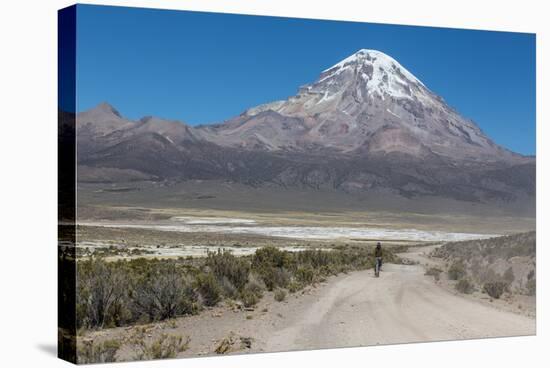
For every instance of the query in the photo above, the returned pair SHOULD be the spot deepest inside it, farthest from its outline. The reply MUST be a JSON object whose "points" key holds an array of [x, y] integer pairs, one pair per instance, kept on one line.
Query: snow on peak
{"points": [[376, 58], [387, 77]]}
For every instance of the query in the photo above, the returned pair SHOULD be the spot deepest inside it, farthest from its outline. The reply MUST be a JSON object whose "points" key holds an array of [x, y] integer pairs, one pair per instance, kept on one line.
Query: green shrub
{"points": [[274, 277], [294, 286], [305, 274], [164, 292], [225, 265], [272, 257], [120, 312], [531, 286], [273, 265], [249, 298], [464, 286], [163, 347], [433, 271], [99, 287], [228, 289], [208, 288], [456, 271], [280, 295], [255, 285], [252, 292], [494, 289], [103, 352]]}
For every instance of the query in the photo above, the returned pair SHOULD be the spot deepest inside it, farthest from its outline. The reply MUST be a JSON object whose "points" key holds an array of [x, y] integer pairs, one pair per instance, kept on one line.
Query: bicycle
{"points": [[377, 266]]}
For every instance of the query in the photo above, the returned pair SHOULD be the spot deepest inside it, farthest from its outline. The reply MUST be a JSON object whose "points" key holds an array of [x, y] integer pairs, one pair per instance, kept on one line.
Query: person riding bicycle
{"points": [[378, 254]]}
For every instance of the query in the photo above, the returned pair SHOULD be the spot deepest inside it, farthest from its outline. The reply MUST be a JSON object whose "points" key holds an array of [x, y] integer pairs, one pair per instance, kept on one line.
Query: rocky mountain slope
{"points": [[366, 125], [367, 103]]}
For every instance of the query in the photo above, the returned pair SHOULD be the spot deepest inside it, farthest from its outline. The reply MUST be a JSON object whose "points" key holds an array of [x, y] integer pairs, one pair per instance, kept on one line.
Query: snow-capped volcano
{"points": [[365, 74], [367, 102], [382, 74]]}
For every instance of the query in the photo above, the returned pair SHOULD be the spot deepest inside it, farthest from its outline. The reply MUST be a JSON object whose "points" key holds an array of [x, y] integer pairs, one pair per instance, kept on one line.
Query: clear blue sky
{"points": [[206, 67]]}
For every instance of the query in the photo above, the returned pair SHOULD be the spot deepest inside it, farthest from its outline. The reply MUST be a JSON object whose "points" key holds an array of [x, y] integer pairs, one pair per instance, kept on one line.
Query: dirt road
{"points": [[401, 306]]}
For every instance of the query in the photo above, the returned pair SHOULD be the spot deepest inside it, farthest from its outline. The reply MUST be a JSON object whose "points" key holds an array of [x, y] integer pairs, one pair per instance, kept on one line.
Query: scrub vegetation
{"points": [[138, 291]]}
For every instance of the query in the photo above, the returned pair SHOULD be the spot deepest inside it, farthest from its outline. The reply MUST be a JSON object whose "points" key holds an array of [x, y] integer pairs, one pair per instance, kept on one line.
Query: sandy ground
{"points": [[356, 309]]}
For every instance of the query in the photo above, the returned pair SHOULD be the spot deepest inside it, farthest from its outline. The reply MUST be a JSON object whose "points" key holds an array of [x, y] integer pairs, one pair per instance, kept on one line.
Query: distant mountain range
{"points": [[366, 125]]}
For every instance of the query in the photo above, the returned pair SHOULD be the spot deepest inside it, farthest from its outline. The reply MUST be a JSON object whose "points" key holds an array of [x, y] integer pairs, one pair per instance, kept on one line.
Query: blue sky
{"points": [[206, 67]]}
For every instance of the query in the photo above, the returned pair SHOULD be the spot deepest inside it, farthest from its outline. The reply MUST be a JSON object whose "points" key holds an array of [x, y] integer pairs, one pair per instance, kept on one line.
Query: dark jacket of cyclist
{"points": [[378, 251]]}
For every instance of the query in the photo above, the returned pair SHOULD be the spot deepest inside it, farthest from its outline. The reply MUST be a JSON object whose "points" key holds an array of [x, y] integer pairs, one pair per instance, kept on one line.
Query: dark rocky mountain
{"points": [[366, 125]]}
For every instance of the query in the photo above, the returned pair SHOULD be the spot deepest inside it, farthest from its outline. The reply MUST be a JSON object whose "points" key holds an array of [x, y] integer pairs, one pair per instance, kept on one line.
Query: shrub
{"points": [[255, 285], [103, 352], [509, 276], [274, 277], [271, 257], [433, 271], [164, 347], [464, 286], [224, 265], [456, 271], [228, 289], [294, 286], [208, 288], [305, 274], [488, 275], [120, 312], [226, 344], [317, 258], [232, 342], [531, 286], [249, 298], [494, 289], [252, 292], [273, 266], [99, 287], [279, 295], [163, 293]]}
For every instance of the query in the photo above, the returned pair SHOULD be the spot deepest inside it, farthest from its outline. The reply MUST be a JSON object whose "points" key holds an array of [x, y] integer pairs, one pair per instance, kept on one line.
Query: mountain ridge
{"points": [[366, 124]]}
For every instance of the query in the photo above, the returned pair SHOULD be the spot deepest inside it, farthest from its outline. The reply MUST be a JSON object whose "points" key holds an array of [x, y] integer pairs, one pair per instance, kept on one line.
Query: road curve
{"points": [[401, 306]]}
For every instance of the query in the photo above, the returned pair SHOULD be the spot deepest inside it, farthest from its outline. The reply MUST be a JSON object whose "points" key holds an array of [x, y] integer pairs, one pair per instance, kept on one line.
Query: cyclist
{"points": [[378, 256]]}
